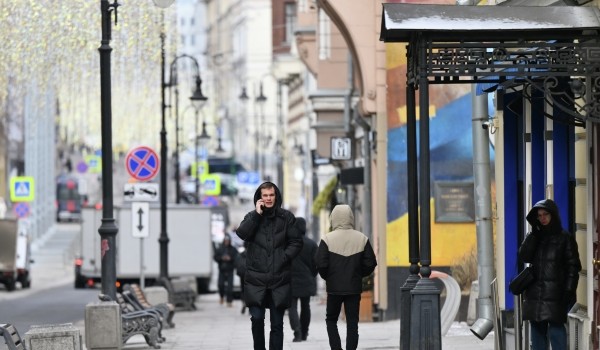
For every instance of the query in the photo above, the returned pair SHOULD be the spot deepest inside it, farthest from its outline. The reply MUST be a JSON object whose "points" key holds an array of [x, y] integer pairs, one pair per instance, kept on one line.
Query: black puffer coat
{"points": [[272, 243], [555, 258], [304, 266]]}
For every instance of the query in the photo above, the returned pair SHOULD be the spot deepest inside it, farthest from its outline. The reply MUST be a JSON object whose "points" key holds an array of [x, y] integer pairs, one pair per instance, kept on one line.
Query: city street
{"points": [[52, 299]]}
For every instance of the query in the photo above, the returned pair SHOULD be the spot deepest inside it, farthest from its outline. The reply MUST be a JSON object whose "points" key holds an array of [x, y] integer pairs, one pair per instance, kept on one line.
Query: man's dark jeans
{"points": [[300, 324], [225, 285], [257, 316], [351, 308]]}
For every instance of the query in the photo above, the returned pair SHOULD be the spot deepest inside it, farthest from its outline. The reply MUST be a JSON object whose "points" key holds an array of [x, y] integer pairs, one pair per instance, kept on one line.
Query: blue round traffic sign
{"points": [[142, 163], [21, 209]]}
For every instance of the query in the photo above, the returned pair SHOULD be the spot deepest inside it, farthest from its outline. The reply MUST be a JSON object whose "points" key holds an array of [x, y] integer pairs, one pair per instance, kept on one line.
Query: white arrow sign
{"points": [[140, 219], [140, 192]]}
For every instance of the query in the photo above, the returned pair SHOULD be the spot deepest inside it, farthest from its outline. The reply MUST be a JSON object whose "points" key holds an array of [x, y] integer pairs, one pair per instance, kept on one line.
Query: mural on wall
{"points": [[452, 206]]}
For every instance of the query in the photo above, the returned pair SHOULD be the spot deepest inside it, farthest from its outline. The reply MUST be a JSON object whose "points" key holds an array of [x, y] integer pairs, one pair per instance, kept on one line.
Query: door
{"points": [[595, 154]]}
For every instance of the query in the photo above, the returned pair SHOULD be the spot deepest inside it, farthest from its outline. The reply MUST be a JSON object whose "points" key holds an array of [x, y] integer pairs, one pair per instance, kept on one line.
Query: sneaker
{"points": [[221, 301]]}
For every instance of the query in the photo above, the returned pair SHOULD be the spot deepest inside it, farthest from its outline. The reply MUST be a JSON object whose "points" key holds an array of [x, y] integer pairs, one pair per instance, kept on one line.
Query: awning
{"points": [[479, 23]]}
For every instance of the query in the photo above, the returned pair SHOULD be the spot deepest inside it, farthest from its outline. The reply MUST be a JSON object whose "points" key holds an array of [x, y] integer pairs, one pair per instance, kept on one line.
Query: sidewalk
{"points": [[217, 327]]}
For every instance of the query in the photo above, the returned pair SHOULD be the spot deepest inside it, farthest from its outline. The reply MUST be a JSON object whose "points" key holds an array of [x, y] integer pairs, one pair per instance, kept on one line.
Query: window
{"points": [[290, 21], [193, 40], [324, 36], [183, 40], [192, 21]]}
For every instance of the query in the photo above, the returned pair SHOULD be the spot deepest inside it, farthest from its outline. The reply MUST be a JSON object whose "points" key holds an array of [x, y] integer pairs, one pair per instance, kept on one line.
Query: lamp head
{"points": [[243, 96], [198, 98], [204, 137], [261, 98], [163, 4]]}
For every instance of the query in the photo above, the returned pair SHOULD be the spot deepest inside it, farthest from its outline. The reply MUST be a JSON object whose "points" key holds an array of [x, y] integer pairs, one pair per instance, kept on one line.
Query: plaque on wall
{"points": [[454, 201]]}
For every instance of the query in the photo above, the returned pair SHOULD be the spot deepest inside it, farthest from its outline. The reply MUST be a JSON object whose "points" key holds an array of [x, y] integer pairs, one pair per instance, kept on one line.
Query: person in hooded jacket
{"points": [[225, 256], [304, 284], [273, 242], [553, 253], [344, 257]]}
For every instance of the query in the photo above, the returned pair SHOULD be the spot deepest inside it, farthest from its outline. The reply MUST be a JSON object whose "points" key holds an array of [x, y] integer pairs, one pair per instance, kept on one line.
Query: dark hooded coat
{"points": [[555, 258], [304, 266], [273, 242], [345, 255]]}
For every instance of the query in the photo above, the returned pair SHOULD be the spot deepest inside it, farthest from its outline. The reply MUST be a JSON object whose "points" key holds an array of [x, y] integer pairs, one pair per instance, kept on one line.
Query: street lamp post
{"points": [[174, 82], [200, 140], [261, 99], [108, 229], [197, 95], [163, 240], [198, 100]]}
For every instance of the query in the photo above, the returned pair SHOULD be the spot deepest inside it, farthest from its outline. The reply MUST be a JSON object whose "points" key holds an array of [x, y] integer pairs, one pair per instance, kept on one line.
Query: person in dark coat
{"points": [[240, 270], [273, 242], [553, 253], [344, 257], [225, 256], [304, 284]]}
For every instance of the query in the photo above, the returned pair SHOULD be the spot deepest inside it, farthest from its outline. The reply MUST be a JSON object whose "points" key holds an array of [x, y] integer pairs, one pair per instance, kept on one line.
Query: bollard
{"points": [[103, 326], [53, 337]]}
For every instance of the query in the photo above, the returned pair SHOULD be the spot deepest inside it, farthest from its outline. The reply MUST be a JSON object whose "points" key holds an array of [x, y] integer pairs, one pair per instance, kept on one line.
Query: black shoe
{"points": [[297, 339]]}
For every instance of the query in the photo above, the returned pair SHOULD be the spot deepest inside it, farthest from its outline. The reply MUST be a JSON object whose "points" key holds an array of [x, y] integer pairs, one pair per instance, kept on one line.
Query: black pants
{"points": [[351, 308], [300, 324], [257, 316], [225, 285]]}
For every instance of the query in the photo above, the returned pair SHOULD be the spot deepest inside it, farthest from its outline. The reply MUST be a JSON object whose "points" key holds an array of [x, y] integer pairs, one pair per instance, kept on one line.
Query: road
{"points": [[51, 298]]}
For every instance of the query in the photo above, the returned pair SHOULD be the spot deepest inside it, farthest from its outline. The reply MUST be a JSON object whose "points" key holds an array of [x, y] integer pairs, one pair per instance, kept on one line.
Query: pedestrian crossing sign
{"points": [[211, 184], [94, 163], [22, 189]]}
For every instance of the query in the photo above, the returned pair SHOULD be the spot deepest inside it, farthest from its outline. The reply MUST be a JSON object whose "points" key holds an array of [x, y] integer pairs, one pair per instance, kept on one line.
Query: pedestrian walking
{"points": [[304, 284], [240, 270], [344, 257], [226, 256], [554, 255], [273, 242]]}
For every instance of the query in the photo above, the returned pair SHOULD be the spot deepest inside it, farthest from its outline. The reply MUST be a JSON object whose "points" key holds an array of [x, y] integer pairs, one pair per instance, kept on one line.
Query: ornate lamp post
{"points": [[174, 82], [198, 100], [108, 229], [261, 99], [200, 143]]}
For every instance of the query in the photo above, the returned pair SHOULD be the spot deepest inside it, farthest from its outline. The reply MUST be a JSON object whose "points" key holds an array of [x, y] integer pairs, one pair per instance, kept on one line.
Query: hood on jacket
{"points": [[301, 225], [342, 217], [278, 197], [550, 206]]}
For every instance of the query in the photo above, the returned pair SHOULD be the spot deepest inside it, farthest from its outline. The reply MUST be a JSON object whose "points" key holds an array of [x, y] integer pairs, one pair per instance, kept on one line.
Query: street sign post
{"points": [[140, 192], [22, 210], [142, 163], [341, 148], [140, 228], [22, 189], [140, 219]]}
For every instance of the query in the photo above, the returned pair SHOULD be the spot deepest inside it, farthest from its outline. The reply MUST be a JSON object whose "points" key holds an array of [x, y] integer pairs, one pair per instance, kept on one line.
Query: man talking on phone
{"points": [[273, 242]]}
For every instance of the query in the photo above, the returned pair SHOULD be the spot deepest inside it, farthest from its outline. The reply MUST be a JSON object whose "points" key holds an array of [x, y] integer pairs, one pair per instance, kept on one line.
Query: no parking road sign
{"points": [[142, 163]]}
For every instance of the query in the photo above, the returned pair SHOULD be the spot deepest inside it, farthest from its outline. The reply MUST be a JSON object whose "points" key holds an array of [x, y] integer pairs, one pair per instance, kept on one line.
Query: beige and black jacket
{"points": [[345, 255]]}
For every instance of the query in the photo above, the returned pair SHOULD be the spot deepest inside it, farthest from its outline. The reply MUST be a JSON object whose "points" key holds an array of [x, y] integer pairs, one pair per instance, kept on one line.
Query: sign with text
{"points": [[454, 201]]}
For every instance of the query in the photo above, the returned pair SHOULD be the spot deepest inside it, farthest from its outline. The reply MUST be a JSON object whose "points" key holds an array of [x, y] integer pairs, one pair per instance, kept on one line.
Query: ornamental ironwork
{"points": [[559, 69]]}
